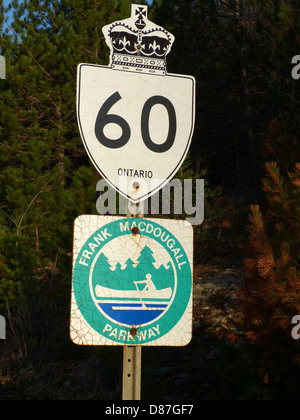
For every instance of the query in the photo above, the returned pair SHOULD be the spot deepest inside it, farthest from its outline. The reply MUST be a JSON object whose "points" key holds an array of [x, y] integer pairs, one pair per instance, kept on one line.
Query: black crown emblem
{"points": [[137, 44]]}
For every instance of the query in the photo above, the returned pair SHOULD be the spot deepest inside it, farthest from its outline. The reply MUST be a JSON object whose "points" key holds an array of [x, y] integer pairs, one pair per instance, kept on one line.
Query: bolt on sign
{"points": [[136, 120], [132, 281]]}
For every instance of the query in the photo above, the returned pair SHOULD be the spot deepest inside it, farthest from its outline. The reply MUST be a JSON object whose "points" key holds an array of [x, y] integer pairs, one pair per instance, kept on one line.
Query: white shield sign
{"points": [[136, 127]]}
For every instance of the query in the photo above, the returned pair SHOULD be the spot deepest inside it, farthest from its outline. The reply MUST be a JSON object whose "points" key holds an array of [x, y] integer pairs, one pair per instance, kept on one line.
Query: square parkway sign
{"points": [[136, 120], [132, 281]]}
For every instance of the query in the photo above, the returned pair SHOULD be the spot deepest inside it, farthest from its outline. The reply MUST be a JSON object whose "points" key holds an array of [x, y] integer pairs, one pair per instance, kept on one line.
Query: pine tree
{"points": [[145, 263], [129, 267], [165, 276], [270, 296], [102, 273], [118, 270], [127, 276], [273, 289]]}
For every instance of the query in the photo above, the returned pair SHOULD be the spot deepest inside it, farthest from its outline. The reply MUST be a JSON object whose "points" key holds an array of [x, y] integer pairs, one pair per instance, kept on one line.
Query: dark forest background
{"points": [[245, 146]]}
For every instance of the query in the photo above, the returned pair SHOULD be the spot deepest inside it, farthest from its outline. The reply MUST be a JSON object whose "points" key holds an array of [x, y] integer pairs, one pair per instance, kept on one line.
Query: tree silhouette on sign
{"points": [[116, 277]]}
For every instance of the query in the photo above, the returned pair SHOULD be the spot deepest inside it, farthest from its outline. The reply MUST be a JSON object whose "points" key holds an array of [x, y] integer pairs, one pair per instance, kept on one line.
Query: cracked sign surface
{"points": [[136, 128], [132, 281]]}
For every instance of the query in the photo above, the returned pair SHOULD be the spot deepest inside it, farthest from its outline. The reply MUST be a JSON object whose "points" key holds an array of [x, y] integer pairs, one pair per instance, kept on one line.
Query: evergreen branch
{"points": [[29, 52], [6, 214], [28, 207], [54, 24], [273, 172]]}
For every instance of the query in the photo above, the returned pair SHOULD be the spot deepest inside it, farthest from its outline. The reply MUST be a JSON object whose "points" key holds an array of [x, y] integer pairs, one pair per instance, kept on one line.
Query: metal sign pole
{"points": [[132, 366], [132, 355]]}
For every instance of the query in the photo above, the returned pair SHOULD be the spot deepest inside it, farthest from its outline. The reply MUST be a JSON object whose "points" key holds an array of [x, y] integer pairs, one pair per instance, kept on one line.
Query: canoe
{"points": [[105, 292]]}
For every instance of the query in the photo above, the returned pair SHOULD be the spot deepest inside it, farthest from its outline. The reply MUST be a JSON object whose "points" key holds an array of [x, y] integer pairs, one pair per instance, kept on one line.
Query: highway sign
{"points": [[136, 120], [132, 281]]}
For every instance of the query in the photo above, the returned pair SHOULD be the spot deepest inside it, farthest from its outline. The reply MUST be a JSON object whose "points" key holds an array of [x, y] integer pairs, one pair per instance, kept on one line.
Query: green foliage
{"points": [[270, 296], [46, 178]]}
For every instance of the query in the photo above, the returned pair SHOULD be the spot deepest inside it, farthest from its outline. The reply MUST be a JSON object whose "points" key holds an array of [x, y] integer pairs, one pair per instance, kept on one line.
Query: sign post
{"points": [[132, 355], [132, 277], [132, 367]]}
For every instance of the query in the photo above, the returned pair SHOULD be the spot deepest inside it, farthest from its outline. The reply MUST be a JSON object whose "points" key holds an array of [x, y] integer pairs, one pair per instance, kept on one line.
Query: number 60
{"points": [[103, 118]]}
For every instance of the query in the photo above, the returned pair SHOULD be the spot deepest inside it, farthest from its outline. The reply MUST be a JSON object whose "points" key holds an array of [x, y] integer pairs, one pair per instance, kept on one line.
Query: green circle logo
{"points": [[132, 288]]}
